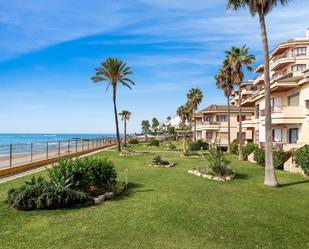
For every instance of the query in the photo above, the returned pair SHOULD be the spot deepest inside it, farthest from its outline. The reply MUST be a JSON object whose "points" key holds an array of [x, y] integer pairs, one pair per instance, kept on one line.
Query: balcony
{"points": [[282, 61], [208, 125], [258, 80], [249, 122], [247, 91], [286, 114]]}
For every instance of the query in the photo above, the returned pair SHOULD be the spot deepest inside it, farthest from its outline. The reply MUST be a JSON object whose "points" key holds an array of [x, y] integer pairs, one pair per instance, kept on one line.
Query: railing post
{"points": [[58, 148], [76, 146], [11, 155], [69, 147], [82, 144], [88, 141], [31, 152], [47, 149]]}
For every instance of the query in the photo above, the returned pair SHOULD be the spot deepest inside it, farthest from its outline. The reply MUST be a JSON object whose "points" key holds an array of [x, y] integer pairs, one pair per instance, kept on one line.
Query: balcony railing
{"points": [[210, 123], [287, 110]]}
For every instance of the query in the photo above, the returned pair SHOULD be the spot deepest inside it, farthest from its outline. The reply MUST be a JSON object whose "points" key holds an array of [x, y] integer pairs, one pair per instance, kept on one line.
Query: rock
{"points": [[210, 177], [109, 195], [228, 178], [99, 199]]}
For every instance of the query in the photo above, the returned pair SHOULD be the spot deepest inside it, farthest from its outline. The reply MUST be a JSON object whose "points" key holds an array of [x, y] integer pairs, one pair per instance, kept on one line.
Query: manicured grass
{"points": [[168, 208]]}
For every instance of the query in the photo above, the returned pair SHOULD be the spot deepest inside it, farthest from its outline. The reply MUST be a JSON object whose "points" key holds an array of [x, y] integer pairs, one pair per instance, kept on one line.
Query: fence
{"points": [[17, 154]]}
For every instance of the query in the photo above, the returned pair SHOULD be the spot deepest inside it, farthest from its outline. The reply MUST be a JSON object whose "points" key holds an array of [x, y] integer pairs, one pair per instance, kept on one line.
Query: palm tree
{"points": [[224, 81], [125, 116], [195, 97], [155, 125], [183, 113], [262, 8], [114, 72], [238, 58]]}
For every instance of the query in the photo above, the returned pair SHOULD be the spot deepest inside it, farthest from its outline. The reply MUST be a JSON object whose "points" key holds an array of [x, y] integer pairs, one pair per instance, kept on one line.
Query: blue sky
{"points": [[49, 50]]}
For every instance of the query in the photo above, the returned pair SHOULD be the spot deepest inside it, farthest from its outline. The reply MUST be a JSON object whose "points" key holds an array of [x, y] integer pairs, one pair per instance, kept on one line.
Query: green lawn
{"points": [[168, 208]]}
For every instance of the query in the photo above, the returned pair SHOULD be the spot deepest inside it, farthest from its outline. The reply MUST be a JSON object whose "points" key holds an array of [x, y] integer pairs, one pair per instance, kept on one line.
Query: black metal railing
{"points": [[16, 154]]}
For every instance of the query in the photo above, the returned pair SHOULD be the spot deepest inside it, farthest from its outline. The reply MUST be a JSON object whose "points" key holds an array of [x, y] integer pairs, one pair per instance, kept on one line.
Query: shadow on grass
{"points": [[242, 176], [293, 183], [132, 189]]}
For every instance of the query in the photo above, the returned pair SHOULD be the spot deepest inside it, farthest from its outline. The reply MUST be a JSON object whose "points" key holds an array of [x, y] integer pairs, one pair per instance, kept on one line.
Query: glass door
{"points": [[293, 135]]}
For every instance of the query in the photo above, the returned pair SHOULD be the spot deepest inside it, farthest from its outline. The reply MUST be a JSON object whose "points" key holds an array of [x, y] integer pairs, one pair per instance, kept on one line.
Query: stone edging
{"points": [[211, 177], [163, 166], [102, 198], [134, 154]]}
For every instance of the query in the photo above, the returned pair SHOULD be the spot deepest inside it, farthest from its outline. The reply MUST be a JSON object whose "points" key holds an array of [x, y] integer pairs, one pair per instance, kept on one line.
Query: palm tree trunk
{"points": [[184, 139], [194, 126], [228, 125], [240, 155], [270, 175], [125, 132], [116, 118]]}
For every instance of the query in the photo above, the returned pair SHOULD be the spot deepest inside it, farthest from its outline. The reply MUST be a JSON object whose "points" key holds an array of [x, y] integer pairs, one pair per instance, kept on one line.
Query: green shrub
{"points": [[279, 157], [191, 153], [133, 141], [198, 145], [83, 174], [157, 160], [43, 195], [259, 156], [248, 149], [154, 143], [218, 165], [172, 146], [234, 147], [301, 158]]}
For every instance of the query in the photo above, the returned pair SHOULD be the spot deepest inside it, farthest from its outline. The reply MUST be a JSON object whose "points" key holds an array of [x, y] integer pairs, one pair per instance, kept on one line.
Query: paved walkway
{"points": [[39, 169]]}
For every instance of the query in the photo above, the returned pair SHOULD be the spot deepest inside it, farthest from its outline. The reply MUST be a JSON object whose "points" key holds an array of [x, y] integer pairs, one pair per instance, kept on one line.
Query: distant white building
{"points": [[174, 122]]}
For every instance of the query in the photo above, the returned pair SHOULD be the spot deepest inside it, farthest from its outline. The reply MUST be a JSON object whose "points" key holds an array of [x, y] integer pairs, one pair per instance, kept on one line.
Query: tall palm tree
{"points": [[224, 81], [114, 72], [237, 59], [183, 113], [195, 97], [125, 116], [262, 8]]}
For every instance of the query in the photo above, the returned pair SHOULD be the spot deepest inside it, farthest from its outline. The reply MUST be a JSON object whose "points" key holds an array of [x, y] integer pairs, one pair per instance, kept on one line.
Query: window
{"points": [[293, 100], [243, 118], [277, 135], [208, 135], [257, 111], [298, 68], [221, 118], [300, 51], [293, 135], [307, 103]]}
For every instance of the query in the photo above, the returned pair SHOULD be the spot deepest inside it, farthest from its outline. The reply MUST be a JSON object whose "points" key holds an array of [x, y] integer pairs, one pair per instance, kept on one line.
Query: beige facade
{"points": [[289, 70], [212, 124]]}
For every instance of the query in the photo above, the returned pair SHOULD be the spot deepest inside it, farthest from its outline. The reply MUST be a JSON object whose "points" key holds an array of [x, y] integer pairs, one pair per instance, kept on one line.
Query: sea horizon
{"points": [[26, 138]]}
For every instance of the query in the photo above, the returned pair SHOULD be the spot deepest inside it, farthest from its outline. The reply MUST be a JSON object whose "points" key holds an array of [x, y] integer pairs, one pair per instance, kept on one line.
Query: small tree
{"points": [[155, 125], [145, 127]]}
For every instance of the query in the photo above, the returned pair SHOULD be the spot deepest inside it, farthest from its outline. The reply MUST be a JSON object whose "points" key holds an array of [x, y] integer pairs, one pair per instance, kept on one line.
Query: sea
{"points": [[6, 139]]}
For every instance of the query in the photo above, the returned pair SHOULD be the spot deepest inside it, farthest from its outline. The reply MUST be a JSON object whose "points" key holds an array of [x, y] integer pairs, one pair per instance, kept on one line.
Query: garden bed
{"points": [[157, 161], [212, 177]]}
